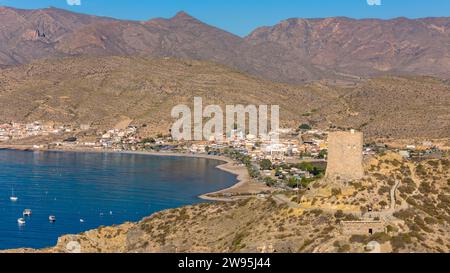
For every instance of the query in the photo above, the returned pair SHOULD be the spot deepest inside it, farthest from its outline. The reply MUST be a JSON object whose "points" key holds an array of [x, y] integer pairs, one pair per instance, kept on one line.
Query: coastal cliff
{"points": [[251, 225]]}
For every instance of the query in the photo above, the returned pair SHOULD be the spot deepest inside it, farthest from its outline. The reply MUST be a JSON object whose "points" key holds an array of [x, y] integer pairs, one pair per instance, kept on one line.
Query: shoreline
{"points": [[243, 179], [243, 187]]}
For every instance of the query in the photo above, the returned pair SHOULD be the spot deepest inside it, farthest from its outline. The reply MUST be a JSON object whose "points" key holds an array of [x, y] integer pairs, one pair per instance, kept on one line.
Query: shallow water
{"points": [[100, 188]]}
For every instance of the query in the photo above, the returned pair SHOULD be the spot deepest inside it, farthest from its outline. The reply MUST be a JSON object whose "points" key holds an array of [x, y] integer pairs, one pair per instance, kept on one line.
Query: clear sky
{"points": [[242, 16]]}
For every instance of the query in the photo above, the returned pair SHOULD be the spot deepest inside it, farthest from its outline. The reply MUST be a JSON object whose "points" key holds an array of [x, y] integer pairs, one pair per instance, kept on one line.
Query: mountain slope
{"points": [[365, 47], [104, 91], [295, 51], [27, 35], [101, 90]]}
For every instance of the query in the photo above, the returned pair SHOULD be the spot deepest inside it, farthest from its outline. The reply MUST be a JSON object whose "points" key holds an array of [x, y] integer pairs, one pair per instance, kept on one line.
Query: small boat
{"points": [[81, 220], [52, 218], [21, 221], [13, 198], [27, 212]]}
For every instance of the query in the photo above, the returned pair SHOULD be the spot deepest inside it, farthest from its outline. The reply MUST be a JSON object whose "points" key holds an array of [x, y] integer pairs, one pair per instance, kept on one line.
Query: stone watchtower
{"points": [[345, 155]]}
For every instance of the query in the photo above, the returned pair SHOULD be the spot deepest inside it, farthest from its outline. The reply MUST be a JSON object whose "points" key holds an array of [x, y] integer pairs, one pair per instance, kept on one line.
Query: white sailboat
{"points": [[13, 198], [21, 221]]}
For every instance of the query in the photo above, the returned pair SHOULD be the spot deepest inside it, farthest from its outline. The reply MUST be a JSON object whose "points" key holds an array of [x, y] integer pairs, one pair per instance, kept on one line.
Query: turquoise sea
{"points": [[88, 190]]}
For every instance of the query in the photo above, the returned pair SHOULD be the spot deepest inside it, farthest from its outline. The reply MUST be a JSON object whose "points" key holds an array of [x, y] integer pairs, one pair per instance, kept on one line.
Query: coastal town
{"points": [[294, 161], [365, 187]]}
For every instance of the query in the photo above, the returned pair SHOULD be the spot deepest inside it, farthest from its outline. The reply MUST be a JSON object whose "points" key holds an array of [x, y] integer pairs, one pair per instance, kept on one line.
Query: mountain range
{"points": [[388, 78], [293, 51]]}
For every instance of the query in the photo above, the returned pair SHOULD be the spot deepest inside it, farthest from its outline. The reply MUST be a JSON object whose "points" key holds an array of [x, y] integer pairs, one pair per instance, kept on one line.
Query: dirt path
{"points": [[392, 194], [283, 199]]}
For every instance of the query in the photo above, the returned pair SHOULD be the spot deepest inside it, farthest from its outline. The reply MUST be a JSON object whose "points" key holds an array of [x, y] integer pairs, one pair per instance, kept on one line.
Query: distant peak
{"points": [[55, 9], [183, 15]]}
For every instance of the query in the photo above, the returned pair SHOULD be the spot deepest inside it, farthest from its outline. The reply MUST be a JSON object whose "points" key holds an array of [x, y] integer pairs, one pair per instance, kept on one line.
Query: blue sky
{"points": [[242, 16]]}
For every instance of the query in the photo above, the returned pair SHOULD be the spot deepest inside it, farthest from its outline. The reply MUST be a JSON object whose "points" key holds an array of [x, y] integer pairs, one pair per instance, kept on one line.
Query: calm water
{"points": [[100, 188]]}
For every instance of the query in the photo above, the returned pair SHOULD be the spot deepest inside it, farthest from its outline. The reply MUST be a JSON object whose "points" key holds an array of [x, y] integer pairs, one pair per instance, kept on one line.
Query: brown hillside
{"points": [[103, 91]]}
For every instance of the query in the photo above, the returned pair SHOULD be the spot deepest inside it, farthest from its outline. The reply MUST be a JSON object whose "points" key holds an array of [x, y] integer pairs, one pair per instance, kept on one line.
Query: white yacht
{"points": [[52, 218], [27, 212], [21, 221]]}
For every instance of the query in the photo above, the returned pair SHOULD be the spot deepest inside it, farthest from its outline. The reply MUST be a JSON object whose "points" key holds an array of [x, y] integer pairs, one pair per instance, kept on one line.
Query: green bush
{"points": [[421, 170], [316, 212], [444, 198], [336, 191], [430, 221], [408, 189], [148, 140], [323, 154], [400, 241], [426, 188], [390, 228], [305, 126], [339, 214], [237, 241], [344, 248], [380, 237], [383, 189], [265, 164], [293, 182], [405, 214], [362, 239], [269, 181]]}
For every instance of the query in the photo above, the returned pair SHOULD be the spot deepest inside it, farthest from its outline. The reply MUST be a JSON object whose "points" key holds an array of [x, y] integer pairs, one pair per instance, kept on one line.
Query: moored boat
{"points": [[27, 212], [13, 198]]}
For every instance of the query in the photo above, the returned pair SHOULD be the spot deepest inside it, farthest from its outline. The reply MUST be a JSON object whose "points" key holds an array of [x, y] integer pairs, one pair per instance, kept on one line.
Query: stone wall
{"points": [[345, 155], [362, 227]]}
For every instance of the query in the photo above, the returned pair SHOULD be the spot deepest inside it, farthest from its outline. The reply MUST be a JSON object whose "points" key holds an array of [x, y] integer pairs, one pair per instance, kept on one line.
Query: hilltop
{"points": [[105, 91]]}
